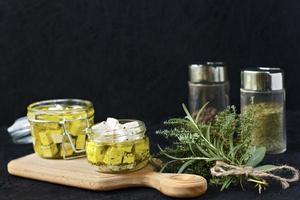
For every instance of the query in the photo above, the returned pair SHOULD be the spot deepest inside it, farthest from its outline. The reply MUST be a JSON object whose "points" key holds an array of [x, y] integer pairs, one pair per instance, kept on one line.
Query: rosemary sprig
{"points": [[198, 145]]}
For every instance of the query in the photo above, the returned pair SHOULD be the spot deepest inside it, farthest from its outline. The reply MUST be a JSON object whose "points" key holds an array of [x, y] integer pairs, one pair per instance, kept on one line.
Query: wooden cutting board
{"points": [[79, 173]]}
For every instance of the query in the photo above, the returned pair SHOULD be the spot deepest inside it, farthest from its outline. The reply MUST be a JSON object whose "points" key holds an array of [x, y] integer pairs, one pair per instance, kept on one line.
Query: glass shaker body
{"points": [[267, 101], [208, 84], [217, 94]]}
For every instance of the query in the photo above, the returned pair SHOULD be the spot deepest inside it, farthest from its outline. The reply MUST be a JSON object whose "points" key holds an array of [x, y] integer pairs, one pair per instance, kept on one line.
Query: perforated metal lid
{"points": [[213, 72]]}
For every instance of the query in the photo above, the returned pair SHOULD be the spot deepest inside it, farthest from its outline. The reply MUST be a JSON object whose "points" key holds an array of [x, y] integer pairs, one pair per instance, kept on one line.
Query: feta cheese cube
{"points": [[130, 125], [77, 127], [100, 128], [141, 148], [45, 138], [56, 136], [129, 158], [66, 149], [49, 151], [54, 127], [113, 156], [80, 141], [126, 147], [37, 147], [112, 123], [95, 153]]}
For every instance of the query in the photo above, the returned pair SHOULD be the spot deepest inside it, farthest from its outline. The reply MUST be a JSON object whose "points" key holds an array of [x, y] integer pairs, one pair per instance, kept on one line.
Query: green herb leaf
{"points": [[185, 165], [166, 165], [189, 117], [200, 112], [227, 183], [257, 156], [208, 133], [202, 151]]}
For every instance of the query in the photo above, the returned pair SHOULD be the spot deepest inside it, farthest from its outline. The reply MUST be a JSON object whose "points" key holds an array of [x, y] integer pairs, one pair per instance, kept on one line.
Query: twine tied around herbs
{"points": [[224, 169]]}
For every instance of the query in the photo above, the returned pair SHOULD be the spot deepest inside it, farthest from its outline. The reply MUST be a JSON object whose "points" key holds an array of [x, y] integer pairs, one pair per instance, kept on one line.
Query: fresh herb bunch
{"points": [[198, 145]]}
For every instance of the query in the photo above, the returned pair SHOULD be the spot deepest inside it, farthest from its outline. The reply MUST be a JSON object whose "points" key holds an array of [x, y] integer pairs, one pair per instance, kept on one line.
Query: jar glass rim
{"points": [[35, 107]]}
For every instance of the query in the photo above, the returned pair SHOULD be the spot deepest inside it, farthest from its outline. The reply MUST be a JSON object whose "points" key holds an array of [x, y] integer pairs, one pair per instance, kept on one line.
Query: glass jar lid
{"points": [[123, 130], [61, 107]]}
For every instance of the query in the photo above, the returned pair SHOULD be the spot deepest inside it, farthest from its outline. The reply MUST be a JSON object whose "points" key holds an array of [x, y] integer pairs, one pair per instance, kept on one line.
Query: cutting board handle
{"points": [[176, 185]]}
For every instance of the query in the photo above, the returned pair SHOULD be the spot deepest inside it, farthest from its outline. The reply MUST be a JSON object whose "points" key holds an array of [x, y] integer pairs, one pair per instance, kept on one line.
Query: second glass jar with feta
{"points": [[118, 145]]}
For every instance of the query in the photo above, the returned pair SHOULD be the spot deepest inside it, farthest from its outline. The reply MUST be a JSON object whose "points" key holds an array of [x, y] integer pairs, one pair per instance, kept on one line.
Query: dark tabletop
{"points": [[12, 187]]}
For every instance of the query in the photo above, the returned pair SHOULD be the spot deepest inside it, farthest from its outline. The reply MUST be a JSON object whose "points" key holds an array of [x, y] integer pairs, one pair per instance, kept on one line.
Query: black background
{"points": [[130, 57]]}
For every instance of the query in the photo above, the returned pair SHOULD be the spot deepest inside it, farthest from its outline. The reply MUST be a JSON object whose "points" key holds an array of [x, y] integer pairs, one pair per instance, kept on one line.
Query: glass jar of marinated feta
{"points": [[59, 127], [116, 146]]}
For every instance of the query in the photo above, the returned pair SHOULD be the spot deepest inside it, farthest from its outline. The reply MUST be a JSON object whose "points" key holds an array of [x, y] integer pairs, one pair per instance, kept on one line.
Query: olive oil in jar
{"points": [[58, 127]]}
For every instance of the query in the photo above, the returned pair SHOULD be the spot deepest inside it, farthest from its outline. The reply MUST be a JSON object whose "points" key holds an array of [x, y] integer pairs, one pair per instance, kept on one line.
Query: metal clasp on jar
{"points": [[68, 134]]}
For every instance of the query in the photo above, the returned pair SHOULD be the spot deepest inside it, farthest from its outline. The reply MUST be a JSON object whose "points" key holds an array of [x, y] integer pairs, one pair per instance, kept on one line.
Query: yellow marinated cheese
{"points": [[118, 156]]}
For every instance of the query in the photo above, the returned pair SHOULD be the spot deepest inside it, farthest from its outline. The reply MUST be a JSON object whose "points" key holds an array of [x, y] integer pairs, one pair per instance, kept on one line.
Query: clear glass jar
{"points": [[262, 92], [208, 83], [59, 127], [118, 150]]}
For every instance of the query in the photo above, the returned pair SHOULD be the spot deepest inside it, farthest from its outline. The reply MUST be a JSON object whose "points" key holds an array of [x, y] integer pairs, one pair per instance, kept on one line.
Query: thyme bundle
{"points": [[219, 149]]}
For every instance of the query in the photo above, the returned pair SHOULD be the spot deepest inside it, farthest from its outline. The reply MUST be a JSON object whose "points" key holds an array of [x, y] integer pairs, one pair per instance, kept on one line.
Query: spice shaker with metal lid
{"points": [[208, 83], [262, 91]]}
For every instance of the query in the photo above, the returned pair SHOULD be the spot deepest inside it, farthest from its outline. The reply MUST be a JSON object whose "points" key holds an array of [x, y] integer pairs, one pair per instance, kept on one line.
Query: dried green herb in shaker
{"points": [[262, 91], [268, 119]]}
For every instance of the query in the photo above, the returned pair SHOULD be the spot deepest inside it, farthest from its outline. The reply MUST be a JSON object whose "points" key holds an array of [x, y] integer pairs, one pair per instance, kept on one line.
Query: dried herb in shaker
{"points": [[268, 119]]}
